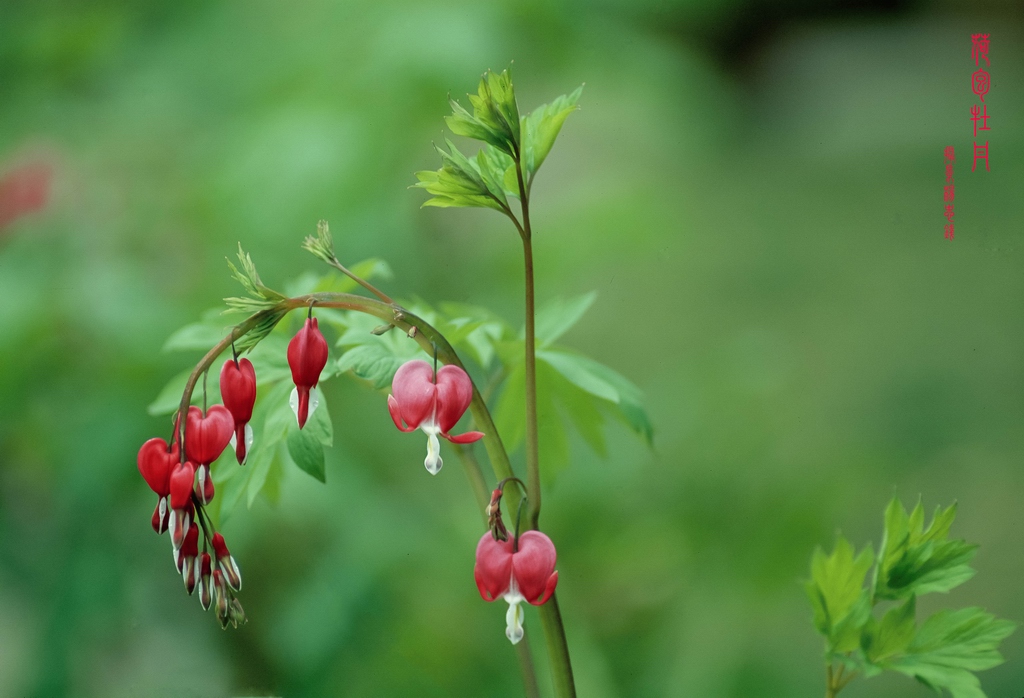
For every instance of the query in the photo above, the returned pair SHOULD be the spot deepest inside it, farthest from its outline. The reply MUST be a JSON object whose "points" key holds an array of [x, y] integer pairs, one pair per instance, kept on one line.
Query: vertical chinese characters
{"points": [[948, 192], [980, 82]]}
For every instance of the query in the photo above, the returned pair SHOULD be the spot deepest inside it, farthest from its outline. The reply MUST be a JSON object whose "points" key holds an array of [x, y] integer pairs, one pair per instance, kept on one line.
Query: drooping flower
{"points": [[516, 573], [419, 399], [182, 509], [238, 390], [206, 437], [156, 460], [307, 356]]}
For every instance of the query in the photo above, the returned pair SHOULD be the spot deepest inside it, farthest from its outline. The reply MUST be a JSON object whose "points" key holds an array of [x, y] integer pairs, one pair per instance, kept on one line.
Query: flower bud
{"points": [[220, 593], [307, 356], [161, 516], [238, 390], [204, 485], [226, 563], [205, 574]]}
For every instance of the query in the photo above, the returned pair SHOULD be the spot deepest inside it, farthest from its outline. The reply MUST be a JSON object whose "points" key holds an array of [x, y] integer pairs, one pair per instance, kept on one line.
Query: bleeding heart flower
{"points": [[516, 573], [307, 356], [207, 437], [182, 508], [156, 460], [435, 406], [238, 390]]}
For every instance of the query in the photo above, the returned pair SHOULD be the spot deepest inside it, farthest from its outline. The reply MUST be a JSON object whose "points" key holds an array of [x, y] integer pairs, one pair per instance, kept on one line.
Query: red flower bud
{"points": [[207, 437], [205, 573], [307, 356], [226, 564], [432, 404], [185, 558], [204, 485], [238, 390], [526, 573], [161, 516]]}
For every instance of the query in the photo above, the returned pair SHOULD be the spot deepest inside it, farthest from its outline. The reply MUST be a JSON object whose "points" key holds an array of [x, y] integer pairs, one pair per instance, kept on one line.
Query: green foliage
{"points": [[541, 127], [915, 560], [260, 296], [461, 182], [490, 178], [912, 560]]}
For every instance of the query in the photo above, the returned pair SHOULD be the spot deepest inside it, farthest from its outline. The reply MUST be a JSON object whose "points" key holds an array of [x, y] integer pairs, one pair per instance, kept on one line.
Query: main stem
{"points": [[532, 453], [550, 616]]}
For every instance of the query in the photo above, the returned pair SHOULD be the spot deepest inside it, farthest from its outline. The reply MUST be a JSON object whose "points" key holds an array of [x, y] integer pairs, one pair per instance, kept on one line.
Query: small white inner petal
{"points": [[514, 622], [433, 460], [234, 442], [248, 439], [163, 510], [293, 401]]}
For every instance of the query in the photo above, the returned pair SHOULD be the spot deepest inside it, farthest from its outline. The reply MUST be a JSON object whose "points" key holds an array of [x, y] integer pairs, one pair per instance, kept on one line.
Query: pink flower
{"points": [[434, 404], [516, 573], [307, 356], [238, 390]]}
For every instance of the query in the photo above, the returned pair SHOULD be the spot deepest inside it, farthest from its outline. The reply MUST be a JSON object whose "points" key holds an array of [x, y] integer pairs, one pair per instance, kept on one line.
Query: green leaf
{"points": [[510, 414], [579, 373], [552, 439], [259, 465], [169, 397], [197, 336], [556, 317], [893, 635], [599, 380], [371, 362], [914, 560], [307, 453], [836, 584], [495, 119], [458, 183], [951, 645], [541, 127]]}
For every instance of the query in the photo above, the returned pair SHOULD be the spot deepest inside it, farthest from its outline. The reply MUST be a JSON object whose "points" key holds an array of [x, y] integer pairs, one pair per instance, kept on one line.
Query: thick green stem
{"points": [[532, 453], [558, 648], [526, 666]]}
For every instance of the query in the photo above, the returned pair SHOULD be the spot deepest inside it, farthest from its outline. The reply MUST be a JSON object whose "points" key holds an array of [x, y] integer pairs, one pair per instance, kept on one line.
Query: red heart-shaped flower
{"points": [[207, 437], [155, 464]]}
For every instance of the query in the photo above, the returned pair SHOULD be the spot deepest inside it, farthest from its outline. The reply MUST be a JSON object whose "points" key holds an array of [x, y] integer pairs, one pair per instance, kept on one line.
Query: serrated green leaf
{"points": [[893, 635], [836, 584], [319, 424], [541, 128], [951, 645], [914, 560], [558, 316], [307, 453]]}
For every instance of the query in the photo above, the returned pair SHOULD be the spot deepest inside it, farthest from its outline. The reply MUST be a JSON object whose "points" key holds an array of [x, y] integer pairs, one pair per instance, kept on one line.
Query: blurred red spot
{"points": [[23, 190]]}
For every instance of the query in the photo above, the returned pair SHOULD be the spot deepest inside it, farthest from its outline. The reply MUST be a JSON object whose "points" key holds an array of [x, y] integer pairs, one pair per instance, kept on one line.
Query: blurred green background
{"points": [[755, 191]]}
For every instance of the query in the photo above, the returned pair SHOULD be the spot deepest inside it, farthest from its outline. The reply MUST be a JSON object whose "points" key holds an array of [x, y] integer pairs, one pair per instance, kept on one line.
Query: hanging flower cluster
{"points": [[514, 567]]}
